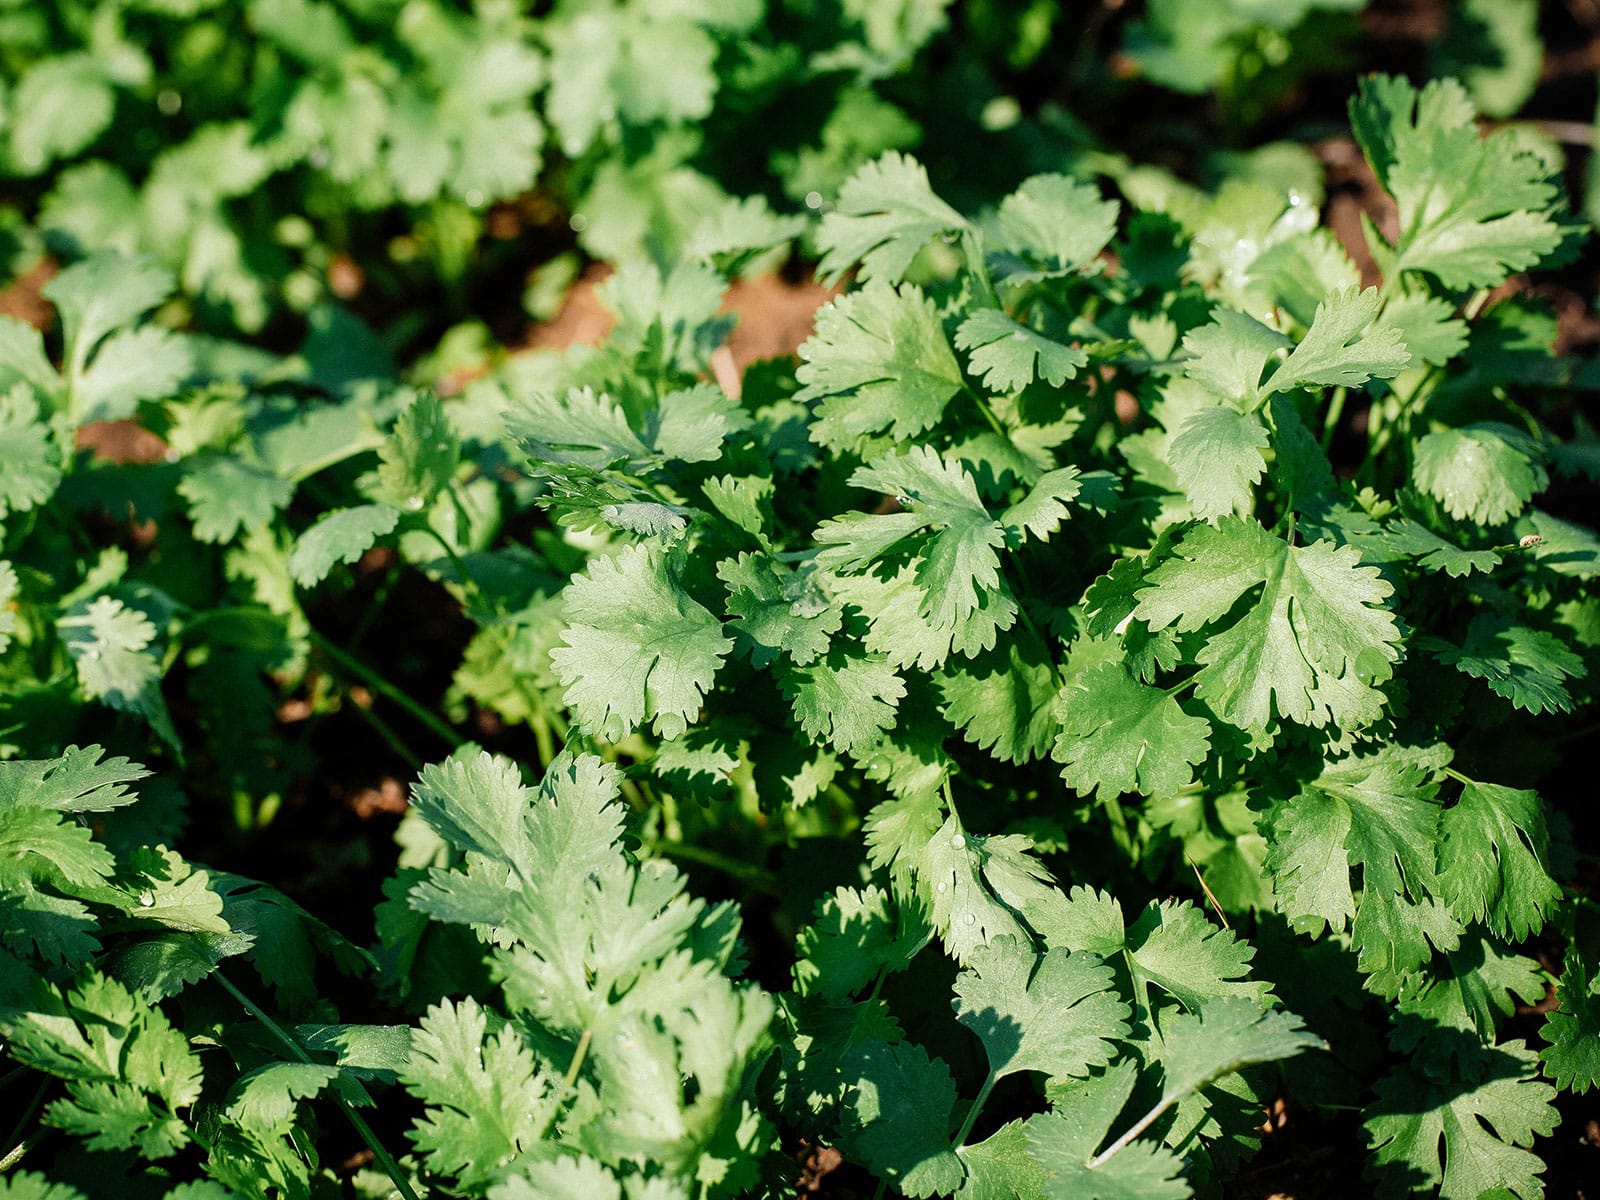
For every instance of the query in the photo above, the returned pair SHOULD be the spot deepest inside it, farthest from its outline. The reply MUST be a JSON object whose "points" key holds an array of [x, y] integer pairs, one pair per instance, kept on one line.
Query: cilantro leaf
{"points": [[1342, 347], [8, 596], [1224, 1036], [339, 537], [30, 468], [419, 458], [487, 1098], [885, 214], [1064, 1142], [985, 888], [1572, 1057], [1002, 700], [1058, 1014], [227, 495], [1312, 647], [855, 937], [1464, 1136], [1473, 209], [1052, 225], [1528, 667], [110, 645], [1118, 735], [957, 538], [1483, 473], [899, 1109], [850, 700], [1433, 553], [1000, 1167], [75, 781], [878, 362], [1379, 812], [777, 611], [637, 647], [1492, 858], [128, 1070], [1008, 356], [1217, 459]]}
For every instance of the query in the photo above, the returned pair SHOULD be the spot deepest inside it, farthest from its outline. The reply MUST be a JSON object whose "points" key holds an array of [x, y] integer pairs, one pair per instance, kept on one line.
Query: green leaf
{"points": [[75, 781], [1002, 700], [1224, 1036], [8, 598], [898, 1111], [1473, 209], [1000, 1167], [30, 469], [1064, 1142], [227, 495], [1378, 812], [1311, 649], [1343, 348], [777, 611], [1492, 858], [885, 214], [856, 936], [878, 362], [1009, 356], [59, 107], [1572, 1057], [1528, 667], [1217, 458], [269, 1095], [419, 459], [1433, 553], [1040, 513], [637, 647], [1118, 735], [1054, 225], [1464, 1136], [1483, 473], [486, 1098], [339, 537], [849, 700], [28, 1185], [110, 645], [1058, 1014]]}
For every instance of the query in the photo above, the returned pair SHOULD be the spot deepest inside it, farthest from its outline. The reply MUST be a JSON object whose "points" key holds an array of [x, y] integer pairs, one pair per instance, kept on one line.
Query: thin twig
{"points": [[1221, 916]]}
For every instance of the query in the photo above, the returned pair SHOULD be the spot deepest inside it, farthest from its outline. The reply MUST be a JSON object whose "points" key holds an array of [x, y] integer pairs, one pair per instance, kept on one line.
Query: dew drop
{"points": [[93, 656], [146, 900], [474, 198], [958, 841], [970, 919], [942, 887], [813, 199], [414, 503], [578, 222]]}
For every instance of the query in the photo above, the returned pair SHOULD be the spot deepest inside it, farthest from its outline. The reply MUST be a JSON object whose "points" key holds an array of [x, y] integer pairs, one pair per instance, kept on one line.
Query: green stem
{"points": [[14, 1155], [369, 675], [1330, 423], [28, 1110], [752, 876], [468, 581], [977, 1107], [381, 1155], [390, 738]]}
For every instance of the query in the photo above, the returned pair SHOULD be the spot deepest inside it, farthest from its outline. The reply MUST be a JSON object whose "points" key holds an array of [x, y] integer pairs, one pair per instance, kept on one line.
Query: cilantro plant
{"points": [[1127, 656]]}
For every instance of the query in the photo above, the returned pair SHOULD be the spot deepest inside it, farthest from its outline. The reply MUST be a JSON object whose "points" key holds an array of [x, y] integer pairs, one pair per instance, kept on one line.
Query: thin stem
{"points": [[1132, 1132], [369, 675], [390, 738], [977, 1107], [14, 1155], [1330, 423], [28, 1110], [567, 1081], [379, 1153], [749, 874]]}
